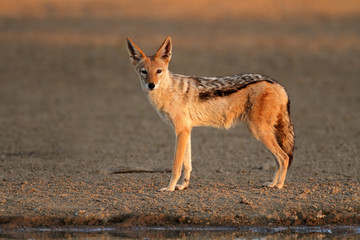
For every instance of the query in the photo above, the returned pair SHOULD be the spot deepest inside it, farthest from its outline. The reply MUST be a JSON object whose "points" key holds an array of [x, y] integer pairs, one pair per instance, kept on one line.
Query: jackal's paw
{"points": [[166, 189], [269, 184], [181, 186], [279, 186]]}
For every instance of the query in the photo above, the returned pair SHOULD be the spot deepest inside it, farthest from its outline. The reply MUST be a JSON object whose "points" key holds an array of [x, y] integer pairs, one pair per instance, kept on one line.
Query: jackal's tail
{"points": [[284, 132]]}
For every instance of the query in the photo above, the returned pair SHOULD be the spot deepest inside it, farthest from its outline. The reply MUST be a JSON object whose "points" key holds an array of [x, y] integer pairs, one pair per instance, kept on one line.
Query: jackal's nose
{"points": [[151, 86]]}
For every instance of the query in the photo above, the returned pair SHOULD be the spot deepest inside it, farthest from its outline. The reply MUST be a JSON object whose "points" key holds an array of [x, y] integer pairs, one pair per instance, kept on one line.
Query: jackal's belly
{"points": [[216, 115]]}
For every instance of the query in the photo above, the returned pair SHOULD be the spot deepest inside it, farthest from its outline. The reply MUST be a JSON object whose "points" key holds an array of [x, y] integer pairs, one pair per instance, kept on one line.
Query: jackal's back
{"points": [[214, 87]]}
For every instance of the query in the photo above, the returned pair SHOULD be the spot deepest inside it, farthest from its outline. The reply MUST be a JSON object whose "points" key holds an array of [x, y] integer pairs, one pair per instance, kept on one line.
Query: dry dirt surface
{"points": [[71, 110]]}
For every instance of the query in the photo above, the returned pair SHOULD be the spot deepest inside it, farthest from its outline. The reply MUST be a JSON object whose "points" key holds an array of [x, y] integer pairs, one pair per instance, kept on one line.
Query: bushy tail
{"points": [[285, 136]]}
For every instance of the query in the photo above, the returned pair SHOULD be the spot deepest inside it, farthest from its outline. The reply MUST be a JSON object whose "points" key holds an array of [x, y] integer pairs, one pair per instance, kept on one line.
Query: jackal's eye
{"points": [[143, 71], [159, 71]]}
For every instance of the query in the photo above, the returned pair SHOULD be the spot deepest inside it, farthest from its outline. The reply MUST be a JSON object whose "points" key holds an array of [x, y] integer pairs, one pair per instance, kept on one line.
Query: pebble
{"points": [[307, 191]]}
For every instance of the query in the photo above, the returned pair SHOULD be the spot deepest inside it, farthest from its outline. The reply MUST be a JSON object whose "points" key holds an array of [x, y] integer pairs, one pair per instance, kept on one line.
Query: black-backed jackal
{"points": [[186, 102]]}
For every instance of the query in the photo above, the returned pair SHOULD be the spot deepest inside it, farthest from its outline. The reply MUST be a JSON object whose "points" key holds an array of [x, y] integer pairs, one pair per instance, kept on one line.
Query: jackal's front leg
{"points": [[182, 139], [187, 167]]}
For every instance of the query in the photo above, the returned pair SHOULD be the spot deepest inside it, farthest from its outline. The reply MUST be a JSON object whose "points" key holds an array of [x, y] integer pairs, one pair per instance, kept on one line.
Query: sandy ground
{"points": [[71, 109]]}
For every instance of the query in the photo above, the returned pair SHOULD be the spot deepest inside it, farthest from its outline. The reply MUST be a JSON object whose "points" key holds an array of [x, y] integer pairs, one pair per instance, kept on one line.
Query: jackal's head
{"points": [[151, 69]]}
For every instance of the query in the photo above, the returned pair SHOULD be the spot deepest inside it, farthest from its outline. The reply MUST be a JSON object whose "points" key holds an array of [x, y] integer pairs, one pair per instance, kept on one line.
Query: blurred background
{"points": [[69, 96]]}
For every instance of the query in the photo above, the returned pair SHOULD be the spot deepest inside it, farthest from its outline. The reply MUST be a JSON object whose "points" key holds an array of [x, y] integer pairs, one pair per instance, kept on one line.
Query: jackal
{"points": [[188, 101]]}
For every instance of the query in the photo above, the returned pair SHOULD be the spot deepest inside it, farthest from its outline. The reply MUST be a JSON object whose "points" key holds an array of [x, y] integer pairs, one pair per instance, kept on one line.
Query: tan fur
{"points": [[186, 102]]}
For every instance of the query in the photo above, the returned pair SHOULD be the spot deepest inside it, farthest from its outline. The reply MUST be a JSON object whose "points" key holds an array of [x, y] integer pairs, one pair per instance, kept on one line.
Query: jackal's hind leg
{"points": [[282, 161], [272, 183], [268, 139]]}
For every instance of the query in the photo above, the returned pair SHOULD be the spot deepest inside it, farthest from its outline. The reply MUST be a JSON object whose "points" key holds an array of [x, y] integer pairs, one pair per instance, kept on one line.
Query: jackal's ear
{"points": [[136, 54], [164, 51]]}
